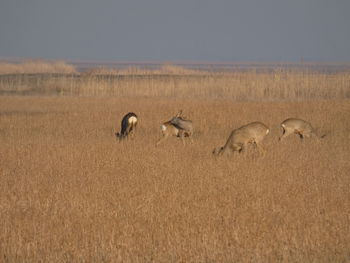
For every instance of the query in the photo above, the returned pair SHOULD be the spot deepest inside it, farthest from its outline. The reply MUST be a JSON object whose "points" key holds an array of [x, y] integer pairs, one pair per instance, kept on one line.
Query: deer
{"points": [[251, 133], [168, 129], [128, 126], [299, 127], [181, 123], [178, 127]]}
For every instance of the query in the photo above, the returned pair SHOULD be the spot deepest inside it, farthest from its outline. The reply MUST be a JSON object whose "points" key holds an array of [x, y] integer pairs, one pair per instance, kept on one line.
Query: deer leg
{"points": [[284, 134], [190, 137], [132, 133], [237, 148], [133, 130], [261, 148], [182, 136]]}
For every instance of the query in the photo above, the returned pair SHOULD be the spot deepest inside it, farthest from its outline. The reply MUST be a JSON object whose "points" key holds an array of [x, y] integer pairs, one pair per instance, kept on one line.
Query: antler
{"points": [[179, 114]]}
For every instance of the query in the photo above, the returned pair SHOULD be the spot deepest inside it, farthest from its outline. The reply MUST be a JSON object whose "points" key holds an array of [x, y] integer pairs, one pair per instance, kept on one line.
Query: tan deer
{"points": [[252, 133], [298, 126], [182, 124], [178, 127], [168, 129]]}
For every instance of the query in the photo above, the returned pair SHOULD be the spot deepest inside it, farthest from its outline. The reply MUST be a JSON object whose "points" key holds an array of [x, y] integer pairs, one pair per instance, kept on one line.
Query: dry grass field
{"points": [[71, 193], [171, 81]]}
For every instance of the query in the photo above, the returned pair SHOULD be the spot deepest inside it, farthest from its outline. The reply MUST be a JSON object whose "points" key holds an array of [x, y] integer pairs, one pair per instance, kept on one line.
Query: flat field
{"points": [[71, 193]]}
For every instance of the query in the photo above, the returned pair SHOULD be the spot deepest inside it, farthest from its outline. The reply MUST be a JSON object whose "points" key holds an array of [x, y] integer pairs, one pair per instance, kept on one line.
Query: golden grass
{"points": [[165, 69], [36, 66], [70, 192], [177, 82]]}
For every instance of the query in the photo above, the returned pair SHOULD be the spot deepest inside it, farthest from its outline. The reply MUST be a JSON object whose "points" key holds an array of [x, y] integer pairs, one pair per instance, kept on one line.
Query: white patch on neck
{"points": [[163, 127]]}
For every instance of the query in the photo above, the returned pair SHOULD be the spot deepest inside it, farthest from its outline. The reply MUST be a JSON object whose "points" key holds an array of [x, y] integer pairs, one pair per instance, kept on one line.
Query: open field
{"points": [[71, 193]]}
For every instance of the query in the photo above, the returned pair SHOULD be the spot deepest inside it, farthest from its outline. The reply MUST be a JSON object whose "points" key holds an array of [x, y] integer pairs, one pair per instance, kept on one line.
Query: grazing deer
{"points": [[252, 133], [168, 130], [186, 125], [128, 126], [298, 126], [178, 127]]}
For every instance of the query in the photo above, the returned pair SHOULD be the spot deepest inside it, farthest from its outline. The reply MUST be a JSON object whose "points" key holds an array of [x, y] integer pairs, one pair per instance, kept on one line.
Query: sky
{"points": [[176, 30]]}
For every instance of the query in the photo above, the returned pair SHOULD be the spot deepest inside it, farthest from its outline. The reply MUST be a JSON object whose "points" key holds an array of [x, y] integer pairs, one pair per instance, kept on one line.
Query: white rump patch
{"points": [[163, 127], [283, 125], [267, 131], [132, 119]]}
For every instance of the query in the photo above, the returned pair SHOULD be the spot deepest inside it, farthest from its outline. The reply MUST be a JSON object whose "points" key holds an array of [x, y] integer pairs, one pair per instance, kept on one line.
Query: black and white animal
{"points": [[128, 126]]}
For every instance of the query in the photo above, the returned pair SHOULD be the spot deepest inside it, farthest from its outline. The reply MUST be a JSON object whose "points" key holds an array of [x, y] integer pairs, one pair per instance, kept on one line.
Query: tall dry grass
{"points": [[177, 82], [71, 193], [36, 66]]}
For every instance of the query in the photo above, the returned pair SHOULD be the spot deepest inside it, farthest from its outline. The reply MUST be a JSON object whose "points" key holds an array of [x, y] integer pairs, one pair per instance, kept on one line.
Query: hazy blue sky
{"points": [[176, 30]]}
